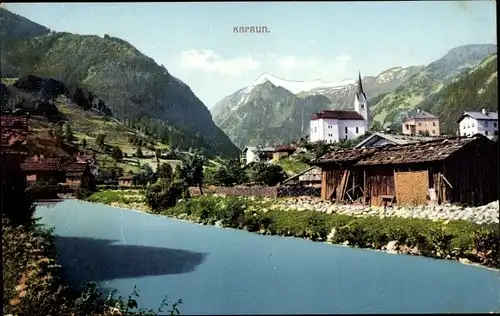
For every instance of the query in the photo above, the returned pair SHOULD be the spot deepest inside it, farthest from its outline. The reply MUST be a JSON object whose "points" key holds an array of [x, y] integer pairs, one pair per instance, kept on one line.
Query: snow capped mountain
{"points": [[297, 86]]}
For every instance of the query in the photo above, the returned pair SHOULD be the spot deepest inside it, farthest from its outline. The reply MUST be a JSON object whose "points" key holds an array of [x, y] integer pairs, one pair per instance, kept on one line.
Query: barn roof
{"points": [[344, 155], [427, 151]]}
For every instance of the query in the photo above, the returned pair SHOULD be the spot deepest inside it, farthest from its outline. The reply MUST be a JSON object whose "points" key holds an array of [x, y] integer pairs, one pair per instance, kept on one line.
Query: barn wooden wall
{"points": [[473, 173], [330, 178], [379, 181]]}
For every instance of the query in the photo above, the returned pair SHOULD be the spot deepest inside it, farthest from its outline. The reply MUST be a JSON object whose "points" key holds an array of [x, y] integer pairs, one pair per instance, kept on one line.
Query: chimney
{"points": [[484, 111]]}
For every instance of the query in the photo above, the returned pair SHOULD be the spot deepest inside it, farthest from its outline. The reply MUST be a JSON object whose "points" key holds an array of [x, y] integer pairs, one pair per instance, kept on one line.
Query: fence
{"points": [[259, 191]]}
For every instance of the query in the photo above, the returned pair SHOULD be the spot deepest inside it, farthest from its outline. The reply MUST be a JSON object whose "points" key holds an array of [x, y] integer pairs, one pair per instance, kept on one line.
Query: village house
{"points": [[13, 149], [455, 170], [256, 154], [90, 160], [126, 181], [282, 152], [421, 123], [54, 170], [484, 122], [377, 139], [309, 178], [333, 126]]}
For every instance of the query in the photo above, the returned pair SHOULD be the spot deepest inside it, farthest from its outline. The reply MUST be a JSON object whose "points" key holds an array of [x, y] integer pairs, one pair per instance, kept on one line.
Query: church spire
{"points": [[360, 91]]}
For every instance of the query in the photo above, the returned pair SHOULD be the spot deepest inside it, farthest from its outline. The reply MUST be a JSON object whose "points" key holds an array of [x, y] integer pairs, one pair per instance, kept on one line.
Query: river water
{"points": [[224, 271]]}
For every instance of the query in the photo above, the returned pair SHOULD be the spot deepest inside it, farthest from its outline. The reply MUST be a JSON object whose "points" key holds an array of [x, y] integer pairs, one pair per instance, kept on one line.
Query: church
{"points": [[333, 126]]}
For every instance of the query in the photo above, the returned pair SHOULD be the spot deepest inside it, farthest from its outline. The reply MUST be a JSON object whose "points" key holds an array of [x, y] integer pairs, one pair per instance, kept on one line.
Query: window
{"points": [[346, 129], [486, 132], [465, 134], [407, 126], [329, 126], [419, 124], [346, 137], [433, 132], [472, 124], [357, 130], [433, 123], [486, 124], [494, 124]]}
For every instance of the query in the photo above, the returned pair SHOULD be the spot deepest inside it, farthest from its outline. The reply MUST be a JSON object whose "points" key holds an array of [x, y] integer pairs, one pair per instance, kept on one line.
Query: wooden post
{"points": [[364, 187]]}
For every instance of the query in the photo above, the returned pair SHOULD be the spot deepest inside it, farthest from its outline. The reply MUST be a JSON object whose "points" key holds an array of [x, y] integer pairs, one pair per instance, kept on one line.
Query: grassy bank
{"points": [[34, 284], [453, 240]]}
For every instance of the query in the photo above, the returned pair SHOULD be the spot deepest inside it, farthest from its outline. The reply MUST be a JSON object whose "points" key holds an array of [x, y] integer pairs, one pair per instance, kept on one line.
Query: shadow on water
{"points": [[89, 259]]}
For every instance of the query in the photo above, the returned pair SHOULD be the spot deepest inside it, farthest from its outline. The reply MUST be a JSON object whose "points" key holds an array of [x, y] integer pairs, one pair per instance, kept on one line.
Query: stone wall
{"points": [[259, 191], [270, 192]]}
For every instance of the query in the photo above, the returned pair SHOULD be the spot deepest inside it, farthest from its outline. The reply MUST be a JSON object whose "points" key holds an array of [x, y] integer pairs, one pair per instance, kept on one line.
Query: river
{"points": [[225, 271]]}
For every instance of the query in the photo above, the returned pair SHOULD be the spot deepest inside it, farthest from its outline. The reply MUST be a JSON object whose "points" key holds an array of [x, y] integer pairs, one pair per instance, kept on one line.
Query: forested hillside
{"points": [[132, 85]]}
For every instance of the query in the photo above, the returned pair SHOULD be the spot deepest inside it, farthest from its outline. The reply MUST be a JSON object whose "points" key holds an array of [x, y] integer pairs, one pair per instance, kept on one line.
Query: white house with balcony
{"points": [[484, 122], [333, 126]]}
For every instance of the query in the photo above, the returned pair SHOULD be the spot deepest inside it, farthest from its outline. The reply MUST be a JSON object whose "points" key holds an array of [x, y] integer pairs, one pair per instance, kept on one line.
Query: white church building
{"points": [[333, 126]]}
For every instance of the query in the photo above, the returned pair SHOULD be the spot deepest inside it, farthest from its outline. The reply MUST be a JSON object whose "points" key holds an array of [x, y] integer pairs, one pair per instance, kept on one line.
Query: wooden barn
{"points": [[456, 170], [340, 179]]}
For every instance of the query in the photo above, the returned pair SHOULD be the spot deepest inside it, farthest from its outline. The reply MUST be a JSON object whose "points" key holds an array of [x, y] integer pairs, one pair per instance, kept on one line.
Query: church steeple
{"points": [[361, 102], [360, 91]]}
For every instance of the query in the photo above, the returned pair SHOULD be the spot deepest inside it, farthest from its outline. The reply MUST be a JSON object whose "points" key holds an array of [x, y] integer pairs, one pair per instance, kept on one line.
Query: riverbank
{"points": [[35, 284], [460, 240]]}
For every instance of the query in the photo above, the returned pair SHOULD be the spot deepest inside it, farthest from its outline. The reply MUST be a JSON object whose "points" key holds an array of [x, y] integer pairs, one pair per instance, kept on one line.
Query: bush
{"points": [[457, 239], [162, 196]]}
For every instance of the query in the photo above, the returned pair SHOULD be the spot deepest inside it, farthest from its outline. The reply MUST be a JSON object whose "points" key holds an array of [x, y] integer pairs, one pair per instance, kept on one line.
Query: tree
{"points": [[116, 153], [264, 174], [197, 171], [100, 140], [68, 133], [138, 153], [58, 134], [165, 171], [84, 142]]}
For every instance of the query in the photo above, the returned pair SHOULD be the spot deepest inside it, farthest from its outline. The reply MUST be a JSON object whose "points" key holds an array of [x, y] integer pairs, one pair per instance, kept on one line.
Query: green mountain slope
{"points": [[425, 86], [132, 85], [472, 91], [269, 115]]}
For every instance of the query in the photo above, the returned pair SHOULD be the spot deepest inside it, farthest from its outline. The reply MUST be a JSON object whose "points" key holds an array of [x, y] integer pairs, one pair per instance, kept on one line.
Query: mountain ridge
{"points": [[132, 84]]}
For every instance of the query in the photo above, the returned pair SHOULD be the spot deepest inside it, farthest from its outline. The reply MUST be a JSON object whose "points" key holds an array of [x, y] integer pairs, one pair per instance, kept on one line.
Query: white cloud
{"points": [[336, 65], [209, 61], [312, 42]]}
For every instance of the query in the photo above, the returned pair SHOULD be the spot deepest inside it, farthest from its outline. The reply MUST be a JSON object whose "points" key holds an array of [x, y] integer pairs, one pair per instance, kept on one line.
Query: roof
{"points": [[41, 164], [337, 115], [344, 155], [128, 177], [284, 148], [14, 129], [74, 167], [360, 91], [253, 148], [395, 139], [421, 115], [314, 173], [428, 151], [479, 116]]}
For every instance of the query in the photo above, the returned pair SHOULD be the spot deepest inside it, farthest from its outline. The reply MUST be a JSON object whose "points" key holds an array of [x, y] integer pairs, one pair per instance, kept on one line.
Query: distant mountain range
{"points": [[274, 110], [132, 85]]}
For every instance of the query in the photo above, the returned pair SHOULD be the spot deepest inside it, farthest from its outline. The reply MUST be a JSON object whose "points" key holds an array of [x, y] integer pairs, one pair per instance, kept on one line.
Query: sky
{"points": [[330, 41]]}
